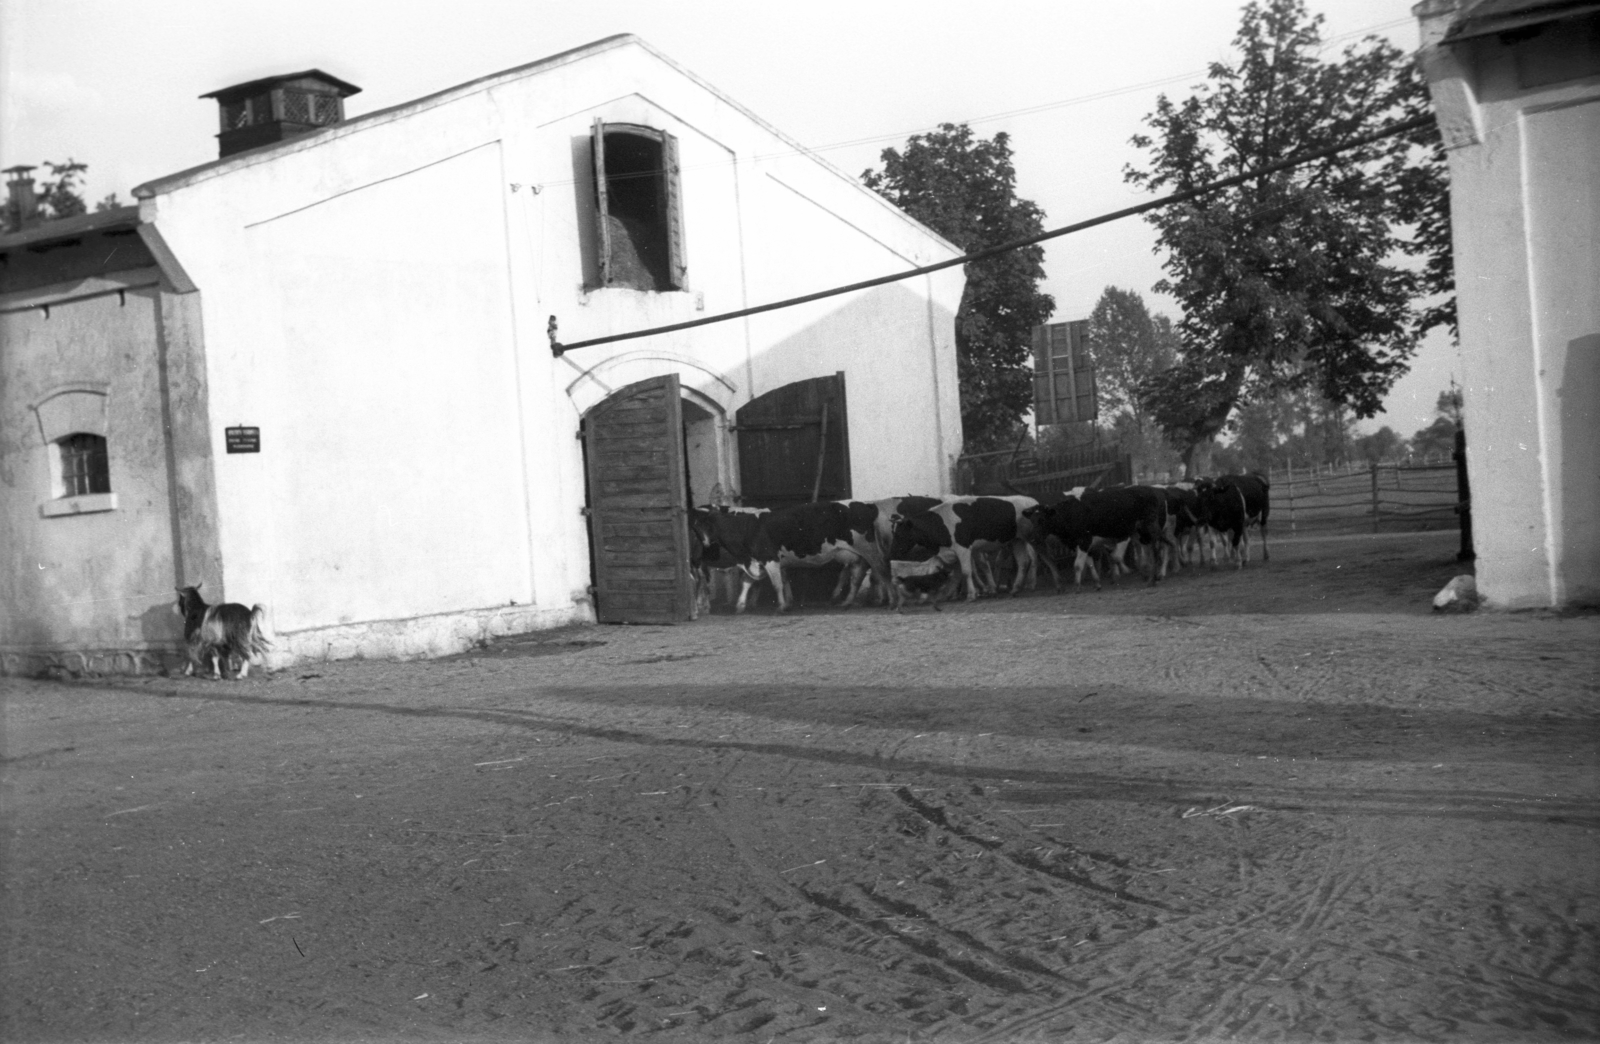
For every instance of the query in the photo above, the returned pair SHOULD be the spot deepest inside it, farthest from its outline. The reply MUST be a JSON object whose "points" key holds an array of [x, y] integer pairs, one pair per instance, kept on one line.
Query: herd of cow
{"points": [[929, 548]]}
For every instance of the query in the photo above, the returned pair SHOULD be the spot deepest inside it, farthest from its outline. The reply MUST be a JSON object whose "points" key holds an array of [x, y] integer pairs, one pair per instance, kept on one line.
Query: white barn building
{"points": [[321, 378]]}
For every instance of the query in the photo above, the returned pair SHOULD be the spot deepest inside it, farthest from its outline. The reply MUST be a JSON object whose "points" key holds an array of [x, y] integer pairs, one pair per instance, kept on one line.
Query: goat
{"points": [[225, 633]]}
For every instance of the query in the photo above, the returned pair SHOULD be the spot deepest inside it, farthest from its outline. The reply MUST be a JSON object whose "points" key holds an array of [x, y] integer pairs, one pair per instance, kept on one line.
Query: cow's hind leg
{"points": [[779, 584]]}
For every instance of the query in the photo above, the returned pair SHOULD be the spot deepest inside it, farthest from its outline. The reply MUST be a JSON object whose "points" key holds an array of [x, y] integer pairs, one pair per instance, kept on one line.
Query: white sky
{"points": [[115, 84]]}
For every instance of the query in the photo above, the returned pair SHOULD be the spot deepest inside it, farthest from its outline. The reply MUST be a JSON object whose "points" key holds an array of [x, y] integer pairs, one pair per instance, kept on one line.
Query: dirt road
{"points": [[1288, 804]]}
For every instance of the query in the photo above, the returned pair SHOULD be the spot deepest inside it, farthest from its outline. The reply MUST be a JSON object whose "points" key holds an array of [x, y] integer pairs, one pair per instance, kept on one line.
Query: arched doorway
{"points": [[638, 497], [794, 444]]}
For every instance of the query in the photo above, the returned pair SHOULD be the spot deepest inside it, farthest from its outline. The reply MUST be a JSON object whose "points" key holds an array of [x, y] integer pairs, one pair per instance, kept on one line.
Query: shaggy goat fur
{"points": [[225, 634]]}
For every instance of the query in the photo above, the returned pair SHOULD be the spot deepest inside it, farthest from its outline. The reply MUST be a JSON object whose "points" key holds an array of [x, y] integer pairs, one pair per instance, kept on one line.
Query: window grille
{"points": [[296, 107], [85, 467], [325, 109], [235, 115]]}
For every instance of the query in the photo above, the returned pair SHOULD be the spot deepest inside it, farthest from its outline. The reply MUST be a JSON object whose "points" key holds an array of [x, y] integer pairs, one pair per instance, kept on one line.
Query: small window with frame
{"points": [[72, 422], [85, 465], [638, 207]]}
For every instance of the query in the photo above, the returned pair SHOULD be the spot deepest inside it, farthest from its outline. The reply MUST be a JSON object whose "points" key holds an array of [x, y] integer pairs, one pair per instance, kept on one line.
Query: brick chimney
{"points": [[277, 108], [22, 204]]}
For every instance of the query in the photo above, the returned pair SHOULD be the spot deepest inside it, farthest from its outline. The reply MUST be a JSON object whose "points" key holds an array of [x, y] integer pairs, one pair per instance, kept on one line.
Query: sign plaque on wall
{"points": [[243, 440]]}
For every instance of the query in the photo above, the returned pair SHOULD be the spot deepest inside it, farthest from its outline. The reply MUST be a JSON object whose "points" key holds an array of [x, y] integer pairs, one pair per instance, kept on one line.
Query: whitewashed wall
{"points": [[376, 300], [1525, 199]]}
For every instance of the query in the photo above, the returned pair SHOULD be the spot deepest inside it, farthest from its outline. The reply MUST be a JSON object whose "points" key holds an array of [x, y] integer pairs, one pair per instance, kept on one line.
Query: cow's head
{"points": [[915, 537]]}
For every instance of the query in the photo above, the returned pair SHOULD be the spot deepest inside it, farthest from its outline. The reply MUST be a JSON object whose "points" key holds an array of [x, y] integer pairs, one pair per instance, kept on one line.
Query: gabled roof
{"points": [[251, 157], [265, 153], [255, 86]]}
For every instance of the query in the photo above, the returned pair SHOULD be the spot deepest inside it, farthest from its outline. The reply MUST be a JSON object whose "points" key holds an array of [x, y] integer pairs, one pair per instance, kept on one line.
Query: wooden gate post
{"points": [[1290, 469], [1463, 498], [1374, 496]]}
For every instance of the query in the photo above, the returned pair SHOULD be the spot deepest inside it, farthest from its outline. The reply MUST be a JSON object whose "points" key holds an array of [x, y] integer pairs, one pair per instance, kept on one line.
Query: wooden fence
{"points": [[1350, 498], [1003, 473], [1366, 498]]}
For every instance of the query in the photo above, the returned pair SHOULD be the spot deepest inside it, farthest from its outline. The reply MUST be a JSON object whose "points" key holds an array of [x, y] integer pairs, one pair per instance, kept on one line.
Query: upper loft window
{"points": [[85, 467], [638, 212]]}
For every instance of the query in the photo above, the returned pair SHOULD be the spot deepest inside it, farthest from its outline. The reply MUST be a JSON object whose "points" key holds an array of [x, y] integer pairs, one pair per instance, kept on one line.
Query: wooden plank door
{"points": [[794, 444], [638, 505]]}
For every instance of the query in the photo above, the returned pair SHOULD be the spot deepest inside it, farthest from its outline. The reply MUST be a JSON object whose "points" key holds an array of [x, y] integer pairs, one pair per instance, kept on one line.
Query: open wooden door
{"points": [[638, 505], [794, 444]]}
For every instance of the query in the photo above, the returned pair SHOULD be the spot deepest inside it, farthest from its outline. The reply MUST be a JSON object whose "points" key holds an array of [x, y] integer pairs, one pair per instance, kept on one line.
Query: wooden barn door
{"points": [[794, 445], [638, 505]]}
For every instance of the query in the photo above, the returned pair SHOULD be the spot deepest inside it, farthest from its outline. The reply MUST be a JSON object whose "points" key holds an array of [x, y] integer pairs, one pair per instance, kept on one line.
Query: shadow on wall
{"points": [[160, 623], [1580, 474], [880, 338]]}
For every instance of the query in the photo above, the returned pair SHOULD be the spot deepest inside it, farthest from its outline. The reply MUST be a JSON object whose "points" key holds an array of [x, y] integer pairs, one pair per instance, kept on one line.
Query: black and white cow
{"points": [[1257, 493], [810, 535], [1230, 505], [1222, 511], [723, 540], [954, 529], [1114, 516], [1184, 521]]}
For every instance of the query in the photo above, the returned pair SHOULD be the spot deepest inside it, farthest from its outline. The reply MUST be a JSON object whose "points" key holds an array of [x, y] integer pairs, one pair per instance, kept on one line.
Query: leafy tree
{"points": [[1288, 281], [1383, 444], [1151, 452], [1438, 440], [1128, 346], [964, 188], [1261, 428], [1192, 407], [61, 195], [1421, 200]]}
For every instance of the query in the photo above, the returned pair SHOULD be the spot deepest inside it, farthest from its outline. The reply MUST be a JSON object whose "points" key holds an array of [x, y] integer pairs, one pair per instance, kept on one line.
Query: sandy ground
{"points": [[1283, 804]]}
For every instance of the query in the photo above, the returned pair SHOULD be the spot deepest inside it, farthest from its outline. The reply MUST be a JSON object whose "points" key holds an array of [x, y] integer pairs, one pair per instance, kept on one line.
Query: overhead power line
{"points": [[558, 349], [1062, 103]]}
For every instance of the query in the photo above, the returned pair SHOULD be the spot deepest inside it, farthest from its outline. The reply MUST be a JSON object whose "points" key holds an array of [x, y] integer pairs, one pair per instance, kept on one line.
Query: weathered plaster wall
{"points": [[97, 586]]}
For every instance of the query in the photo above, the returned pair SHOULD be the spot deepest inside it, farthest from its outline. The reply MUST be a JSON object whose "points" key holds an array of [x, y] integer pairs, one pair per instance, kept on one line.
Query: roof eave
{"points": [[66, 228], [1473, 27], [250, 157]]}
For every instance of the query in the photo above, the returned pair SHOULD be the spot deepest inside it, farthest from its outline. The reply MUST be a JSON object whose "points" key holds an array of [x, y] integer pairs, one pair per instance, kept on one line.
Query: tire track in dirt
{"points": [[1200, 937], [893, 936], [1334, 883]]}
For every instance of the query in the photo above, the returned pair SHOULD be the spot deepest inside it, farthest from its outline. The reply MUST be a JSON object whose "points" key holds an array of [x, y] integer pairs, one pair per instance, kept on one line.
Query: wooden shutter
{"points": [[785, 444], [638, 505], [602, 207], [677, 259]]}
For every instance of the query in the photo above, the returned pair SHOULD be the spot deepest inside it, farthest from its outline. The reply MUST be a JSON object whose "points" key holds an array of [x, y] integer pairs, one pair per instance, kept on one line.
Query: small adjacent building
{"points": [[317, 373], [1516, 85]]}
